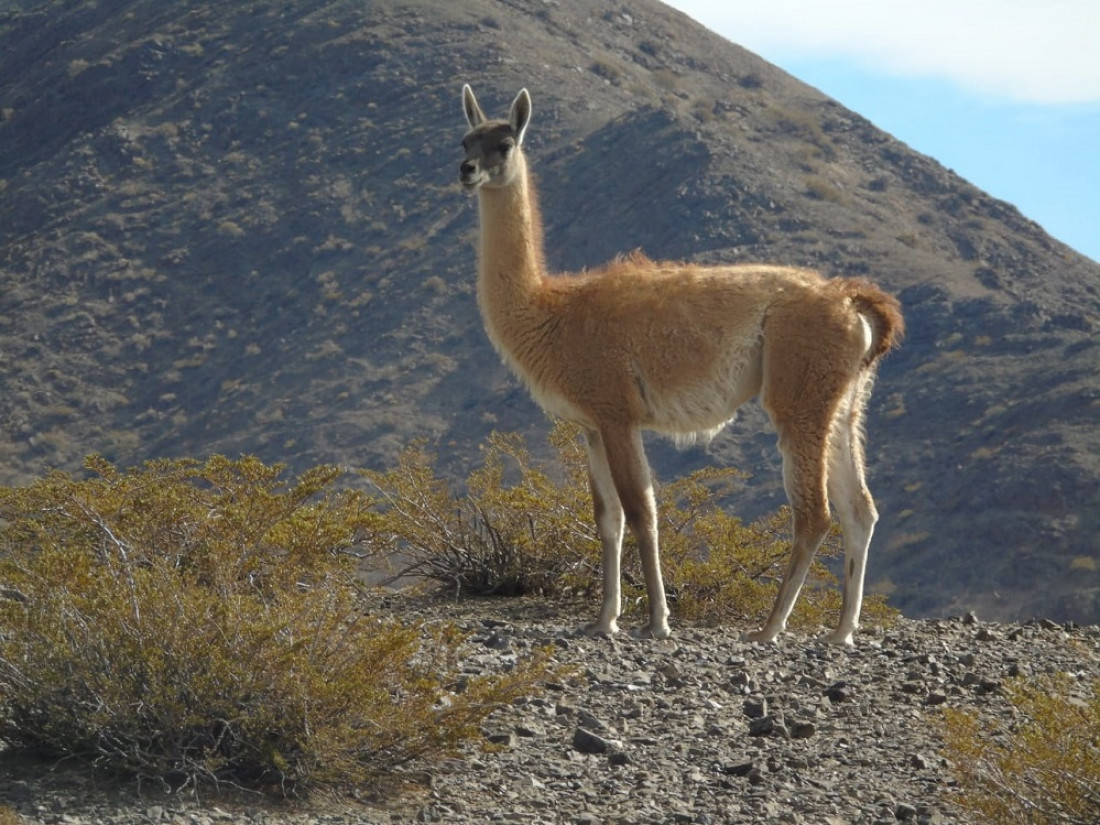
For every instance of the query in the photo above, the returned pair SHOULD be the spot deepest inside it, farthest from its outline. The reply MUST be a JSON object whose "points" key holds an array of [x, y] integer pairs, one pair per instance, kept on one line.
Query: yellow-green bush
{"points": [[201, 622], [1043, 768], [518, 527]]}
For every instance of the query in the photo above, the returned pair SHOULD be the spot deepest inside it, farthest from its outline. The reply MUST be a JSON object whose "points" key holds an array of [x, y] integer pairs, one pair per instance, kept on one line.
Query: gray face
{"points": [[490, 152]]}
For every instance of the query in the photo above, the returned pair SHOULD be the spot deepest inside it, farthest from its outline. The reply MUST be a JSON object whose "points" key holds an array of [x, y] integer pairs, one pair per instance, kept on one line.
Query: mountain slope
{"points": [[237, 228]]}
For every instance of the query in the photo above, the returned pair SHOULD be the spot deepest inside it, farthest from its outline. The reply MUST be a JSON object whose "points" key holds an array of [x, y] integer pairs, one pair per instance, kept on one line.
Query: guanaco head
{"points": [[492, 146]]}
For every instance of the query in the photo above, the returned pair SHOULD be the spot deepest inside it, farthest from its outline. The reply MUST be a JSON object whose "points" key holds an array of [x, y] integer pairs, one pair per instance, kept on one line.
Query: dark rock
{"points": [[905, 812], [755, 709], [506, 738], [737, 768], [768, 726], [586, 741], [803, 730]]}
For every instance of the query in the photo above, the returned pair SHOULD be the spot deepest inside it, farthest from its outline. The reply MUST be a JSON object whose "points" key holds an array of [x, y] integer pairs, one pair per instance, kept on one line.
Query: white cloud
{"points": [[1041, 51]]}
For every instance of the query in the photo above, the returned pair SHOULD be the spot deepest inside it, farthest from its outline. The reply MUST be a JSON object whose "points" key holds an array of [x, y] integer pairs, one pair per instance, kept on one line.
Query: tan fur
{"points": [[677, 348]]}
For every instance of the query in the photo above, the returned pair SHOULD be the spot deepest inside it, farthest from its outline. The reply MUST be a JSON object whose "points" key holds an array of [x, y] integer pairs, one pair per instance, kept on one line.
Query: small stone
{"points": [[669, 671], [935, 697], [769, 726], [736, 768], [505, 738], [803, 730], [494, 641], [918, 761], [755, 709], [740, 679], [619, 758], [586, 741], [762, 726], [588, 720], [930, 816], [905, 811]]}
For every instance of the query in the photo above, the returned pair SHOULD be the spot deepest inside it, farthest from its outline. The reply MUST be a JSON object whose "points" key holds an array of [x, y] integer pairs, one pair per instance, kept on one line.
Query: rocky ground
{"points": [[699, 728]]}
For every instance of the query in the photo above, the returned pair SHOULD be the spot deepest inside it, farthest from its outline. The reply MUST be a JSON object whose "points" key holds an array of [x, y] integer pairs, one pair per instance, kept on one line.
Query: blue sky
{"points": [[1004, 92]]}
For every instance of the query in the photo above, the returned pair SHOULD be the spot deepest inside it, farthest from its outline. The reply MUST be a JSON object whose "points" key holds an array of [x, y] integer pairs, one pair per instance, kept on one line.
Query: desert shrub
{"points": [[804, 126], [821, 189], [201, 622], [514, 527], [1042, 768], [608, 69], [518, 526]]}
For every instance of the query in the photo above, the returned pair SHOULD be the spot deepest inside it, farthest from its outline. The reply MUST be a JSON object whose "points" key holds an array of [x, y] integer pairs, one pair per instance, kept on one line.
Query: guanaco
{"points": [[676, 348]]}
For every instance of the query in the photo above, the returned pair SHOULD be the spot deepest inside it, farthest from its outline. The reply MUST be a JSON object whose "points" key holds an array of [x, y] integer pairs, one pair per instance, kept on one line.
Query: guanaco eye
{"points": [[506, 147]]}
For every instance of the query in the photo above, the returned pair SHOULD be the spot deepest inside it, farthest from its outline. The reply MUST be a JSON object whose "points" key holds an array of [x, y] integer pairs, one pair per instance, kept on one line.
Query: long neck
{"points": [[511, 263]]}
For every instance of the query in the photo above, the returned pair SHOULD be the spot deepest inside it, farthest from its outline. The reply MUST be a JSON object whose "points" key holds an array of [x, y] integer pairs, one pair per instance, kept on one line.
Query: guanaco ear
{"points": [[474, 116], [520, 115]]}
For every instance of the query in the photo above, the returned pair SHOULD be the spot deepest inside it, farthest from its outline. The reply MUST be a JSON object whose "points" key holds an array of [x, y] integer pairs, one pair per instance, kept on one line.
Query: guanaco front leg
{"points": [[630, 472], [609, 525]]}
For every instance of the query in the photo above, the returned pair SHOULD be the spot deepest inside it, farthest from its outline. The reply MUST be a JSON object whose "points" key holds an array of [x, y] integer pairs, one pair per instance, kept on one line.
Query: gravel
{"points": [[699, 728]]}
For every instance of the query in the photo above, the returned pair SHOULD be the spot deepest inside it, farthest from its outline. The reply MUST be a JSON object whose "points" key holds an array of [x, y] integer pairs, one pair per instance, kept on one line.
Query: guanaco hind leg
{"points": [[804, 480], [854, 507]]}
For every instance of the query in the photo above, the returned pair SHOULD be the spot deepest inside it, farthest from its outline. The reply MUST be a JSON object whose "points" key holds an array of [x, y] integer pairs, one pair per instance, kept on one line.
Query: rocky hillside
{"points": [[236, 227]]}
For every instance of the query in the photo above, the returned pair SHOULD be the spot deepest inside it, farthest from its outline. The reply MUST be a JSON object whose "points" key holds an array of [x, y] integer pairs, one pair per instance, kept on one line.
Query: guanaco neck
{"points": [[511, 262]]}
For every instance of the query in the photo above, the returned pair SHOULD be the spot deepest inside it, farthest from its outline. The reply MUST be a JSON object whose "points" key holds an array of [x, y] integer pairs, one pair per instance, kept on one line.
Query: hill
{"points": [[237, 228]]}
